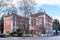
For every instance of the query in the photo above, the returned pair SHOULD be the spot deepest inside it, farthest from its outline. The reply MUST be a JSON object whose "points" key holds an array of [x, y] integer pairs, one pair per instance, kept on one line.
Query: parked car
{"points": [[2, 35]]}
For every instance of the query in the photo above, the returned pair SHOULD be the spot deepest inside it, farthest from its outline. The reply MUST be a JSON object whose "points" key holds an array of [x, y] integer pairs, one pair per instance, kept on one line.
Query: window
{"points": [[38, 21]]}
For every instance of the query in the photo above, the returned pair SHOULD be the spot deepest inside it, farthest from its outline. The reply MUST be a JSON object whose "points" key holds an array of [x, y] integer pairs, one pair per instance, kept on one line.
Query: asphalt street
{"points": [[32, 38]]}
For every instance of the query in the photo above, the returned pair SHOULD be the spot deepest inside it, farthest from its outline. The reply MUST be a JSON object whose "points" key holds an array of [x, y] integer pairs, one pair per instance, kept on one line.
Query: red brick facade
{"points": [[14, 21], [39, 21]]}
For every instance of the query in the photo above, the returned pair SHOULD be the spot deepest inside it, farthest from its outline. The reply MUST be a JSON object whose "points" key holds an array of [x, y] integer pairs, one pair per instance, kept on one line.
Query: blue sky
{"points": [[51, 10], [51, 7]]}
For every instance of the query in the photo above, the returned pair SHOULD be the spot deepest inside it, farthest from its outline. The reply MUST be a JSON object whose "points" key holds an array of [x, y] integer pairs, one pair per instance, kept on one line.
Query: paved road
{"points": [[30, 38]]}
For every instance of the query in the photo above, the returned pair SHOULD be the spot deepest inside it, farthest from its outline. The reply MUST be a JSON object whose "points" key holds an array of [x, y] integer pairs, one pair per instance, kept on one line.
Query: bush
{"points": [[18, 33]]}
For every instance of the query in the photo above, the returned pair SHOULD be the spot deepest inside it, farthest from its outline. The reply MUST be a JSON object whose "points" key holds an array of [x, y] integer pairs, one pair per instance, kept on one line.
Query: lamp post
{"points": [[32, 29], [47, 32], [32, 32], [23, 32]]}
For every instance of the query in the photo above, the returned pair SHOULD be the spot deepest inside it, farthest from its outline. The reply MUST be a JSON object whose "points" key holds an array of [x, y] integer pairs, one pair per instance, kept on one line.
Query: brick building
{"points": [[40, 23], [13, 22]]}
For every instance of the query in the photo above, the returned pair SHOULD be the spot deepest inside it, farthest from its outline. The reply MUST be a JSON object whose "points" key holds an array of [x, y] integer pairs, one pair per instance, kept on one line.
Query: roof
{"points": [[40, 13], [37, 14], [15, 15]]}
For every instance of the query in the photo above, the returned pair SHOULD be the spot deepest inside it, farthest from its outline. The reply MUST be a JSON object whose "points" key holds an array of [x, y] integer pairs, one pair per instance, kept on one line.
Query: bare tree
{"points": [[8, 6], [2, 4], [27, 7]]}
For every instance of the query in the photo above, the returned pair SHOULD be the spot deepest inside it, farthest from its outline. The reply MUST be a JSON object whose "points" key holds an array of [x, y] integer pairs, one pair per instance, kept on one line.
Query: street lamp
{"points": [[32, 31], [47, 32], [23, 32]]}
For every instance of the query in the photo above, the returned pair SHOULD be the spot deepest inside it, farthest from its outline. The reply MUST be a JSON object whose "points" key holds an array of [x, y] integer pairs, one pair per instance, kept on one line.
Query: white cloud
{"points": [[40, 2], [9, 2], [57, 17], [48, 2]]}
